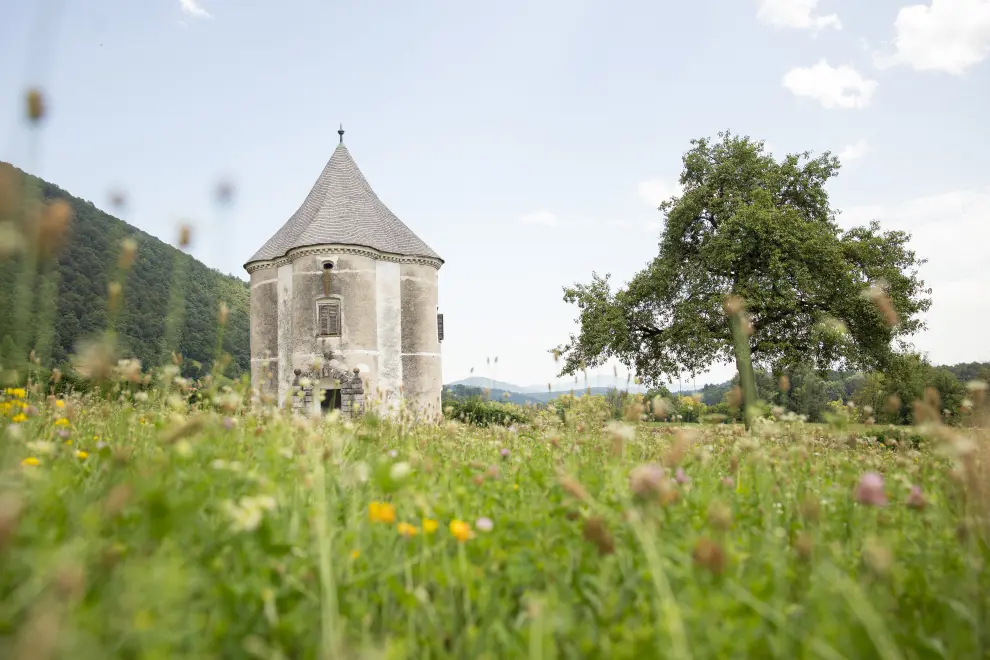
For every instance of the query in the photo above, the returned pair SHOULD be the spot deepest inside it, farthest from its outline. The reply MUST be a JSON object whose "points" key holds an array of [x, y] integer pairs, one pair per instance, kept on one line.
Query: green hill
{"points": [[170, 301]]}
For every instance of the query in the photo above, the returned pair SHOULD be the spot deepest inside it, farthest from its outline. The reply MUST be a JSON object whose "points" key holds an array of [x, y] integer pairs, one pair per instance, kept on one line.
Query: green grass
{"points": [[130, 551]]}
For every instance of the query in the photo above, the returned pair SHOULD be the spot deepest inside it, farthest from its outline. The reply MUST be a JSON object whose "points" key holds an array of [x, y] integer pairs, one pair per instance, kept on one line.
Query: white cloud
{"points": [[795, 14], [194, 9], [621, 224], [950, 230], [545, 218], [947, 35], [854, 151], [654, 191], [833, 87]]}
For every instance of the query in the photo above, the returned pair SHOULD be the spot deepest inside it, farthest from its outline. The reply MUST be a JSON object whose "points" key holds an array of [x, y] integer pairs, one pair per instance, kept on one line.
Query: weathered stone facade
{"points": [[344, 302]]}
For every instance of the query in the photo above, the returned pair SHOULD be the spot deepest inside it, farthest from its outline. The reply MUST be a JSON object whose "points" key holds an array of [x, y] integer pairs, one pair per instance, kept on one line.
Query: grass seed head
{"points": [[35, 105], [128, 253], [596, 532], [709, 555], [53, 226]]}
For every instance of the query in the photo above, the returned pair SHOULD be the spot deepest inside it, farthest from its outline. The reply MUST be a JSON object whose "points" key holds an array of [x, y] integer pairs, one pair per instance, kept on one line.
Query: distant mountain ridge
{"points": [[596, 382]]}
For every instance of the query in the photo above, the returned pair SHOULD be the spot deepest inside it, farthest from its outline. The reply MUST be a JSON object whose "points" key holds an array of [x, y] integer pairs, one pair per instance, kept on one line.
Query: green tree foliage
{"points": [[891, 393], [751, 226], [79, 276]]}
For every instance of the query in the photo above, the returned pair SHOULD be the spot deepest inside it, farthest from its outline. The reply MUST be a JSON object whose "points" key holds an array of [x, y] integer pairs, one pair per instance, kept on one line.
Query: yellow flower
{"points": [[82, 454], [59, 403], [61, 421], [405, 529], [460, 529], [381, 512], [18, 418], [31, 460], [16, 392], [430, 525], [355, 554]]}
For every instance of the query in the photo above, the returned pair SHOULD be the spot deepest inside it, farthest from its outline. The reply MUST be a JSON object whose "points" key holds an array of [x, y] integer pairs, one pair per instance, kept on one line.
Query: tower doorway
{"points": [[331, 400]]}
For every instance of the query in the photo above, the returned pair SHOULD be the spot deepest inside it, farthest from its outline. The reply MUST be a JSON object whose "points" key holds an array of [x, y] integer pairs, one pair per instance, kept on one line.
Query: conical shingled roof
{"points": [[342, 209]]}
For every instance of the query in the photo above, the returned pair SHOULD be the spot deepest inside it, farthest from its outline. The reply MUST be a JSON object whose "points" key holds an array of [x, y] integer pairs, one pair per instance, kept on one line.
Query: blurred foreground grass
{"points": [[149, 527]]}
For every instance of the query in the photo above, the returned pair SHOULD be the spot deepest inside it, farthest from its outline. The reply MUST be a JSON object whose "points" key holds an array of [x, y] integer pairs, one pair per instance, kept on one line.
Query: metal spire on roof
{"points": [[341, 133]]}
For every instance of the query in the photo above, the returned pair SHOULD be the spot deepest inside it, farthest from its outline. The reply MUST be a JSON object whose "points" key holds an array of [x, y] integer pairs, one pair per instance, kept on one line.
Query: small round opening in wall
{"points": [[327, 265]]}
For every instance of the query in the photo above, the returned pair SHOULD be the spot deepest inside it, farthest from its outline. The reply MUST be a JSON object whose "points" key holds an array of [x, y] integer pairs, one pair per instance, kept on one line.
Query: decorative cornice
{"points": [[310, 250]]}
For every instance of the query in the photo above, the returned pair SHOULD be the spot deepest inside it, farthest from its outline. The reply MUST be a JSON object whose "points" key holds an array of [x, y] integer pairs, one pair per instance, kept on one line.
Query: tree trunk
{"points": [[745, 367]]}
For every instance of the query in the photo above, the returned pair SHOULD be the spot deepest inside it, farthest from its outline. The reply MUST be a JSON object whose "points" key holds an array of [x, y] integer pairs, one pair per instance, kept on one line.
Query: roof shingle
{"points": [[342, 209]]}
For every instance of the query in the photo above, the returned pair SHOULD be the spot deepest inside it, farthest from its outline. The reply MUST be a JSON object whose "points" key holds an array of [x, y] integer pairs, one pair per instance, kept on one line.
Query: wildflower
{"points": [[393, 453], [399, 471], [42, 447], [59, 403], [645, 479], [728, 482], [381, 512], [247, 514], [504, 452], [460, 530], [680, 477], [430, 525], [870, 490], [355, 554], [64, 434], [61, 421], [228, 423], [82, 454], [18, 418], [407, 530], [719, 516], [916, 499], [484, 524], [31, 461]]}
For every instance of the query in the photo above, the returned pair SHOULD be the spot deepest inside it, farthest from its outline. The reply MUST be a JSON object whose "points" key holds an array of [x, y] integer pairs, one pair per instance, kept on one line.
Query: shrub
{"points": [[478, 411]]}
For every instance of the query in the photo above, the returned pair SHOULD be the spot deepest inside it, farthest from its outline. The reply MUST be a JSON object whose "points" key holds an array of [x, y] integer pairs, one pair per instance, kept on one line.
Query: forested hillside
{"points": [[170, 301]]}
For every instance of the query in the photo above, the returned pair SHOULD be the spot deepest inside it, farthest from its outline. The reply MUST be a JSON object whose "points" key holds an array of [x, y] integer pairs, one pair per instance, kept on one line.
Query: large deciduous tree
{"points": [[751, 226]]}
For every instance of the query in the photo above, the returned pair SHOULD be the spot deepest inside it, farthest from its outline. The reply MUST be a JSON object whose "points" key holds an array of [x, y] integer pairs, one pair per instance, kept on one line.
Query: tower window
{"points": [[328, 319]]}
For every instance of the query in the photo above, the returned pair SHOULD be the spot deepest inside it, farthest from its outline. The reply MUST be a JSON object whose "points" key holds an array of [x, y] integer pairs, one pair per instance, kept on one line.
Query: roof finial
{"points": [[341, 133]]}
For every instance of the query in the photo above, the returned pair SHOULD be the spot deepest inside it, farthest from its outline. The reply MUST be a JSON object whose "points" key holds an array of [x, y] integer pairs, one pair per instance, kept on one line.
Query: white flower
{"points": [[42, 447], [400, 471]]}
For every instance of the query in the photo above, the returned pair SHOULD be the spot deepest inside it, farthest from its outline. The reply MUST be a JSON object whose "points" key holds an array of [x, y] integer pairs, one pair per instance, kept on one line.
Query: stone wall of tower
{"points": [[264, 330], [352, 284], [388, 331], [422, 376]]}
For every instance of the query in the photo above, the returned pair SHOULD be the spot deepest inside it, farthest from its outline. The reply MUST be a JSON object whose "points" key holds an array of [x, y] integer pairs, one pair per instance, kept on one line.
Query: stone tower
{"points": [[344, 303]]}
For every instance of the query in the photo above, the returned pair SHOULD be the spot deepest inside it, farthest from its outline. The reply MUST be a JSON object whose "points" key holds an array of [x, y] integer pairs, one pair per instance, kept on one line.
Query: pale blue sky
{"points": [[471, 118]]}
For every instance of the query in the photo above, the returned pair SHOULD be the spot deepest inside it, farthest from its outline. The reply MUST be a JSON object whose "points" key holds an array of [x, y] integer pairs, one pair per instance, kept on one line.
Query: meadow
{"points": [[176, 512], [162, 521]]}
